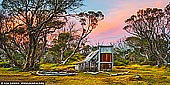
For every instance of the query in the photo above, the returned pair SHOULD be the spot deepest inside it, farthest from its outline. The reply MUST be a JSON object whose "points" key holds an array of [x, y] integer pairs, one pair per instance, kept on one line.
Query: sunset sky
{"points": [[116, 12]]}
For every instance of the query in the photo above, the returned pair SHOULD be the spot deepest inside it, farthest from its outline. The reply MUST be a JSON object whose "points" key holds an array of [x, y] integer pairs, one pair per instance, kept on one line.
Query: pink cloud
{"points": [[110, 29]]}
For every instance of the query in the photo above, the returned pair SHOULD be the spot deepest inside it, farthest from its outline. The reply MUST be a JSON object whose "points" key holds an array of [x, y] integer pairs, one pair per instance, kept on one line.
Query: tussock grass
{"points": [[150, 75]]}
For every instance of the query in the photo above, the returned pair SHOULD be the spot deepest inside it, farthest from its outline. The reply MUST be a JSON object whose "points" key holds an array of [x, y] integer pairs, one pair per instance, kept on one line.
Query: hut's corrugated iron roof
{"points": [[90, 56]]}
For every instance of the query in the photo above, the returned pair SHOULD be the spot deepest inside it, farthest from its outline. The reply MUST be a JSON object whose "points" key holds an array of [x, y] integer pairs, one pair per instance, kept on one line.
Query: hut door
{"points": [[106, 57]]}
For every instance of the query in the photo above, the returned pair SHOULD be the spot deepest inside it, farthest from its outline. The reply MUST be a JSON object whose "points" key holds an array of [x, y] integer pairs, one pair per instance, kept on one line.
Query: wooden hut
{"points": [[99, 60]]}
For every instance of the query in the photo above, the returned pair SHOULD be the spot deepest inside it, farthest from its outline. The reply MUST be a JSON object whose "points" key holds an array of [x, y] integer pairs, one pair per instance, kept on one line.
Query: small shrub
{"points": [[76, 58], [37, 67], [117, 63], [14, 69], [152, 63], [5, 65], [120, 61]]}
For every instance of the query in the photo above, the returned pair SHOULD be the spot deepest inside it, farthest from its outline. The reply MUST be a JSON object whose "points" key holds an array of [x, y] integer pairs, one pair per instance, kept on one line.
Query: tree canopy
{"points": [[25, 25], [152, 25]]}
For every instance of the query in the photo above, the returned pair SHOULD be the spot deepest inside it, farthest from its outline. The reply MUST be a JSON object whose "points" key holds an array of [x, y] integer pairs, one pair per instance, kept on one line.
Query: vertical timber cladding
{"points": [[106, 57]]}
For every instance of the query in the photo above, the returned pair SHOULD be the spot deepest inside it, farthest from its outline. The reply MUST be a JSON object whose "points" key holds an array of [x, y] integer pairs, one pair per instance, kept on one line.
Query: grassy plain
{"points": [[150, 75]]}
